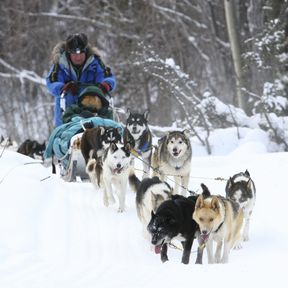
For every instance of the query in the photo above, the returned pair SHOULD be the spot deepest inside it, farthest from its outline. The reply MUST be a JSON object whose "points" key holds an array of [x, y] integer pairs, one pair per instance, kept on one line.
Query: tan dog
{"points": [[220, 220]]}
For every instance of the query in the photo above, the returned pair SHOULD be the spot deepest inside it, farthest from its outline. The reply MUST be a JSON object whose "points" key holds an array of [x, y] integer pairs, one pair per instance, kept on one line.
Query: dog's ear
{"points": [[146, 113], [229, 184], [205, 190], [152, 214], [162, 139], [200, 202], [127, 149], [249, 184], [102, 130], [215, 203], [113, 147], [247, 173], [186, 133]]}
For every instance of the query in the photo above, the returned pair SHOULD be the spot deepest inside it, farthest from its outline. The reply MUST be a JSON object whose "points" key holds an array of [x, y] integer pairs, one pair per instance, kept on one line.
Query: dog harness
{"points": [[144, 148]]}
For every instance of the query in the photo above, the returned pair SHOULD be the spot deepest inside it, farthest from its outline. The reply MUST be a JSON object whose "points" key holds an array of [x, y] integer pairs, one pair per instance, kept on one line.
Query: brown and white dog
{"points": [[94, 141], [220, 220]]}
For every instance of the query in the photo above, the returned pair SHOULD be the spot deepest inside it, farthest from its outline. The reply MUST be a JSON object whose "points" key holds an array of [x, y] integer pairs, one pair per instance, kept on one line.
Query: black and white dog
{"points": [[173, 220], [241, 189], [32, 148], [94, 141], [150, 193], [138, 135]]}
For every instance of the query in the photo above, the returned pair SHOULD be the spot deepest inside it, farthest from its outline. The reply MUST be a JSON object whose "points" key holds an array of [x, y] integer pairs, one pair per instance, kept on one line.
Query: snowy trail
{"points": [[58, 234]]}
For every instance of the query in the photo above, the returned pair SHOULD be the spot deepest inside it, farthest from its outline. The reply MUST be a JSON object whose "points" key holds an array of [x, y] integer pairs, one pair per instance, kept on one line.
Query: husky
{"points": [[173, 220], [138, 135], [173, 157], [150, 193], [241, 189], [94, 141], [113, 170], [32, 148], [220, 220]]}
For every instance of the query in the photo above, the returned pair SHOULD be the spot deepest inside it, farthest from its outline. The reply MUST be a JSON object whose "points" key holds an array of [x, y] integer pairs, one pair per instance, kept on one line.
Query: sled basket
{"points": [[64, 146]]}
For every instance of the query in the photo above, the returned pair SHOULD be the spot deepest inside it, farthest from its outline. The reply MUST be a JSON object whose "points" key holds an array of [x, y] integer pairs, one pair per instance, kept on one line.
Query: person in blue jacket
{"points": [[75, 61]]}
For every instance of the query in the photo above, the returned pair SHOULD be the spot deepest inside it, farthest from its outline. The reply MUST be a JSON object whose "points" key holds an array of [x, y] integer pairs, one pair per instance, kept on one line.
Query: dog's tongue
{"points": [[157, 249], [205, 237], [117, 170], [176, 153]]}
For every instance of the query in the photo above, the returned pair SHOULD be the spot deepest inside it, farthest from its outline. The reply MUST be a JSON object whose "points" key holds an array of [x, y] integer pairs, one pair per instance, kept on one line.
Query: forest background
{"points": [[179, 59]]}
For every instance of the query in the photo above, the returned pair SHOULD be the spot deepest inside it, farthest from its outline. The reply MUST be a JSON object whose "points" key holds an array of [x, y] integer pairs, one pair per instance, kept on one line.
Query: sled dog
{"points": [[220, 220], [32, 148], [173, 220], [94, 141], [172, 157], [112, 173], [138, 135], [150, 193], [241, 189]]}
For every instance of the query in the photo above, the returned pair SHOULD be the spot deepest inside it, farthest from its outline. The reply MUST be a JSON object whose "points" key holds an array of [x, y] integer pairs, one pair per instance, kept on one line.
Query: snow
{"points": [[58, 234]]}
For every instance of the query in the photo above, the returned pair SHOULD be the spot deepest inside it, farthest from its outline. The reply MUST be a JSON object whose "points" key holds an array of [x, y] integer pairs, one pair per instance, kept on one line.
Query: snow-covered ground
{"points": [[58, 234]]}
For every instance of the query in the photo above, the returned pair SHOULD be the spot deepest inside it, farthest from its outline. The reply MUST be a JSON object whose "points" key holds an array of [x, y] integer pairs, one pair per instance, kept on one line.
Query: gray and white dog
{"points": [[241, 189], [172, 157]]}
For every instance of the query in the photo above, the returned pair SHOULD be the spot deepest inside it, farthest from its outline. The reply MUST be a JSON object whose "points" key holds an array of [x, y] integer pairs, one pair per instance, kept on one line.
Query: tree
{"points": [[235, 49]]}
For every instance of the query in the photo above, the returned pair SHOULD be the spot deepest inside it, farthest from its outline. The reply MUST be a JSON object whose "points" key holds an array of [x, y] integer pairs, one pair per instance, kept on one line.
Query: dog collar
{"points": [[144, 148], [219, 227]]}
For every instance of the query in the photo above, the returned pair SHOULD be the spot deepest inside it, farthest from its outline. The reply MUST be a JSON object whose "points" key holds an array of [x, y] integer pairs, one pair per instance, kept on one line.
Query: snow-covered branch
{"points": [[21, 74]]}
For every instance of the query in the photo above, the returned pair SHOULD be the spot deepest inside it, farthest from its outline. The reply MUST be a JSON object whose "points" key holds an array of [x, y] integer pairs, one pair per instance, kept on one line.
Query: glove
{"points": [[105, 87], [71, 87]]}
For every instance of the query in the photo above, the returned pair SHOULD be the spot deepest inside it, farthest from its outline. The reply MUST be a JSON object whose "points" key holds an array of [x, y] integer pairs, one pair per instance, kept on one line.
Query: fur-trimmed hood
{"points": [[59, 49]]}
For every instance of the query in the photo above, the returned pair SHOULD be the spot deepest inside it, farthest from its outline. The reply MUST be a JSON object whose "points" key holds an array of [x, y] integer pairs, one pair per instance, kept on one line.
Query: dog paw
{"points": [[120, 210], [245, 238], [238, 246], [217, 260], [164, 258], [105, 201]]}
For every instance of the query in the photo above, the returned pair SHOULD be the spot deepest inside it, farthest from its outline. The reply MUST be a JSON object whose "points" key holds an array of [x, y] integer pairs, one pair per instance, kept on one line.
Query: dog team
{"points": [[165, 212]]}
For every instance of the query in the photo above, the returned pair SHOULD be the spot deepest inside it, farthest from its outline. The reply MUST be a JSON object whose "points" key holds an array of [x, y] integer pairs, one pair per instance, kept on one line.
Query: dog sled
{"points": [[65, 140]]}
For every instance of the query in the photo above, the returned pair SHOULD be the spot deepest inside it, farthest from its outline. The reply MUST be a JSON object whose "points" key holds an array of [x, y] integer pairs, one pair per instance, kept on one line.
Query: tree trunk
{"points": [[235, 49]]}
